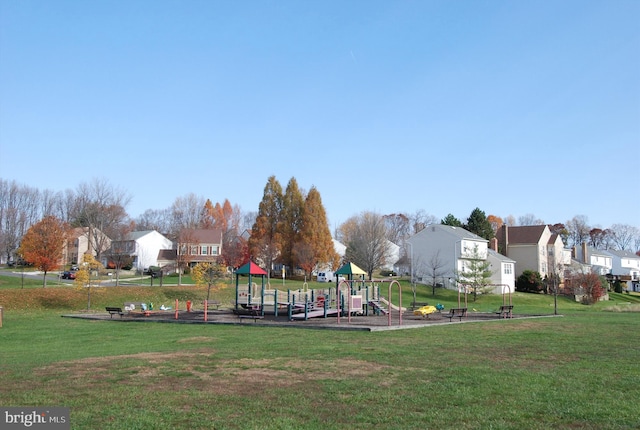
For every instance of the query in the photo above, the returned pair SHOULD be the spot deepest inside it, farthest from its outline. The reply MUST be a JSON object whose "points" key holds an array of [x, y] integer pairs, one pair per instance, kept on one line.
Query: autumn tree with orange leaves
{"points": [[314, 245], [43, 243], [264, 242]]}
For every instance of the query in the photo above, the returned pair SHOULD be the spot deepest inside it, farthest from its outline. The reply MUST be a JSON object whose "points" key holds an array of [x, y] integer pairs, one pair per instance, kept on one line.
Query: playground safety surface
{"points": [[355, 323]]}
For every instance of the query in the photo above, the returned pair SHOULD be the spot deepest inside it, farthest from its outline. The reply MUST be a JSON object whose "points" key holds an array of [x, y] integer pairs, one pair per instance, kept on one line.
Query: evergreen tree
{"points": [[451, 220], [475, 273], [479, 224]]}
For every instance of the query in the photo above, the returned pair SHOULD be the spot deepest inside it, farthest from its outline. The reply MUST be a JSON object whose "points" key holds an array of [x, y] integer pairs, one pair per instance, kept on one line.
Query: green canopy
{"points": [[251, 268], [350, 269]]}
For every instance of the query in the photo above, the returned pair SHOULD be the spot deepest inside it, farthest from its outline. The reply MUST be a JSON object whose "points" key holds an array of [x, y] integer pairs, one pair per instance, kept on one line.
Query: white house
{"points": [[392, 257], [601, 262], [626, 266], [503, 272], [442, 251], [144, 247]]}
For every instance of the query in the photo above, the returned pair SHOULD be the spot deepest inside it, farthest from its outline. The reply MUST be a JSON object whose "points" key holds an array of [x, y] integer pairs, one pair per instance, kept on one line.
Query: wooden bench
{"points": [[211, 303], [505, 311], [254, 315], [113, 310], [456, 312]]}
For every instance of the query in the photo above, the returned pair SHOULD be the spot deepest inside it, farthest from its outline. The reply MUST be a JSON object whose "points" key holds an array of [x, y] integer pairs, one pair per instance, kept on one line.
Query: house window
{"points": [[507, 269], [544, 267], [203, 250], [194, 250], [215, 250]]}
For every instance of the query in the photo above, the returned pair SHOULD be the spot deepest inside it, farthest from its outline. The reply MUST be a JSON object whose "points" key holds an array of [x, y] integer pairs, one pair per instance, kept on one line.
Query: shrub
{"points": [[529, 282]]}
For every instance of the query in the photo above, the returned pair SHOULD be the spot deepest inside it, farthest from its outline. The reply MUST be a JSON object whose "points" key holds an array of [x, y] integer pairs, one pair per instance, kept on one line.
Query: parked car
{"points": [[68, 275]]}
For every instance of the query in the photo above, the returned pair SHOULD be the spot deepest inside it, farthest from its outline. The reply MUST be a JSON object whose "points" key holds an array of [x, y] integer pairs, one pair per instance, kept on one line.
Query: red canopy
{"points": [[251, 268]]}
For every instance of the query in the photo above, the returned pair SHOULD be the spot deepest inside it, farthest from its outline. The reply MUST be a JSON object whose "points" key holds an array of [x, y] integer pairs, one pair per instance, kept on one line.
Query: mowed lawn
{"points": [[577, 371]]}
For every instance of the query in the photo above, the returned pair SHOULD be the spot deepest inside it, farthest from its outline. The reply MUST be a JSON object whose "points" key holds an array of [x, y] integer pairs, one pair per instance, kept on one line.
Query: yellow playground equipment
{"points": [[425, 311]]}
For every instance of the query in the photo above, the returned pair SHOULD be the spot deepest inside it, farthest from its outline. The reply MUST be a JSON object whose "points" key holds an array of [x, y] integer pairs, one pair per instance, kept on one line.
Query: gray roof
{"points": [[135, 235], [500, 257], [459, 231], [622, 254]]}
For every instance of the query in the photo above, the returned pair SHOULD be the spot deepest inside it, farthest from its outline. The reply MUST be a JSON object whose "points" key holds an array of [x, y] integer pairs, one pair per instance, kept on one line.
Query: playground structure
{"points": [[351, 296]]}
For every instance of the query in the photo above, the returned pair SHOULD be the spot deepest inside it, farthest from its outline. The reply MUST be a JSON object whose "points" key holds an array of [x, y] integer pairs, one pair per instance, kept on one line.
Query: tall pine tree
{"points": [[479, 224]]}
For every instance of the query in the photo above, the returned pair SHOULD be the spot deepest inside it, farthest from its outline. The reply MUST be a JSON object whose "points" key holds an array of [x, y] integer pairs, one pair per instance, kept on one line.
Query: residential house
{"points": [[199, 245], [625, 266], [601, 262], [534, 248], [503, 276], [392, 257], [143, 247], [443, 251], [80, 242]]}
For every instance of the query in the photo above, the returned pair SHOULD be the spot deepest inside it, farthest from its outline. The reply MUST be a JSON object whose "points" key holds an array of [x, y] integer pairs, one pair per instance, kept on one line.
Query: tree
{"points": [[119, 255], [101, 208], [451, 220], [599, 238], [19, 210], [624, 236], [43, 243], [436, 267], [589, 285], [529, 282], [561, 231], [477, 223], [314, 245], [207, 273], [367, 245], [475, 273], [185, 214], [290, 223], [264, 243], [495, 222], [158, 220], [529, 219], [398, 228], [578, 228], [186, 240], [420, 220], [83, 276], [208, 216]]}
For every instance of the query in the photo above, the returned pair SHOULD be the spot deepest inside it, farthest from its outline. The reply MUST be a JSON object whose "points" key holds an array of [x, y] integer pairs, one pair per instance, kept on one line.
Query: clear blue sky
{"points": [[514, 107]]}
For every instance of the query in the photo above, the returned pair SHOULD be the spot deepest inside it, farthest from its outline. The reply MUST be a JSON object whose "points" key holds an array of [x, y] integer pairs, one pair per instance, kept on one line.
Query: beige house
{"points": [[534, 248], [81, 241]]}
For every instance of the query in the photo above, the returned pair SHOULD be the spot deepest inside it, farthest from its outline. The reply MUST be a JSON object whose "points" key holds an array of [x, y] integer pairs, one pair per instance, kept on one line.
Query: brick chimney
{"points": [[493, 244], [585, 257]]}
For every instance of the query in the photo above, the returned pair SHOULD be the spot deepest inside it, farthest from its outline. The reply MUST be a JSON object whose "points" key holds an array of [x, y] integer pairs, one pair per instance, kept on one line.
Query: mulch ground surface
{"points": [[360, 322]]}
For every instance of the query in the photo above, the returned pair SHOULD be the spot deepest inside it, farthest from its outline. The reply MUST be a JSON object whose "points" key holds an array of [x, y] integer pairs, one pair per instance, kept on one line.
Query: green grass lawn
{"points": [[577, 371]]}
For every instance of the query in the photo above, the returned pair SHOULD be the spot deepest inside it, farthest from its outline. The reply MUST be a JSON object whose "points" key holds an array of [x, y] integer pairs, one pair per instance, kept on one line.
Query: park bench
{"points": [[211, 303], [505, 311], [254, 314], [113, 310], [456, 312]]}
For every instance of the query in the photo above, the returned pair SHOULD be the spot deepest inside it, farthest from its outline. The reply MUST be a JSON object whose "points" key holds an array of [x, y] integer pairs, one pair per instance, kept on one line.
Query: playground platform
{"points": [[357, 323]]}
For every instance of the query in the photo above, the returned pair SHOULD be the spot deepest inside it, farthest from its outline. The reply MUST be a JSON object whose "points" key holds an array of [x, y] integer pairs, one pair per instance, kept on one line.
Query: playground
{"points": [[353, 303]]}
